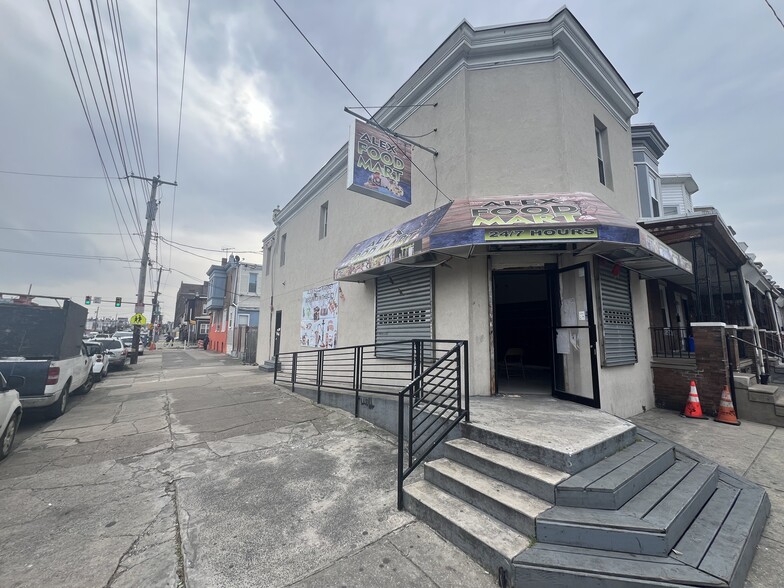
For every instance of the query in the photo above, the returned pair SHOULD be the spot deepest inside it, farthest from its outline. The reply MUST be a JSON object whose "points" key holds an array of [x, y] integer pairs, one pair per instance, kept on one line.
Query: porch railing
{"points": [[429, 377], [672, 342]]}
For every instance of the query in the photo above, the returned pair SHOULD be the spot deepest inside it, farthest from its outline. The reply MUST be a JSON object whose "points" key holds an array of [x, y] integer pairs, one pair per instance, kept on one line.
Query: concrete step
{"points": [[534, 478], [613, 481], [553, 457], [761, 406], [493, 544], [548, 566], [762, 393], [778, 403], [516, 508], [716, 550], [650, 528]]}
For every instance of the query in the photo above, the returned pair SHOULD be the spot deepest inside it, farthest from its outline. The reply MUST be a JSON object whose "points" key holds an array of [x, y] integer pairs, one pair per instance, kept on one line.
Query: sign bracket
{"points": [[386, 130]]}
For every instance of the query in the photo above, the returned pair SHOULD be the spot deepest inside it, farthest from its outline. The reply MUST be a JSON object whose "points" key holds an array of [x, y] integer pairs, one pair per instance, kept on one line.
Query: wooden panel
{"points": [[656, 490], [607, 465], [623, 568], [738, 535], [699, 536]]}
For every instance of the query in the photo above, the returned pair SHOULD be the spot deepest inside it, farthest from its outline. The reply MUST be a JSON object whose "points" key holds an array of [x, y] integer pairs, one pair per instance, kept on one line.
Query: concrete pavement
{"points": [[190, 468]]}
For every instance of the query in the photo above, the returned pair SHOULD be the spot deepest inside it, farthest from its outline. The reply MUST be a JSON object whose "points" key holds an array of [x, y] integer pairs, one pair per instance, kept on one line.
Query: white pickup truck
{"points": [[43, 345]]}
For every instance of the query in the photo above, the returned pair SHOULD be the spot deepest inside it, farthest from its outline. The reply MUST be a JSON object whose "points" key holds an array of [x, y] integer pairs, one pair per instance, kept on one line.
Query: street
{"points": [[192, 469]]}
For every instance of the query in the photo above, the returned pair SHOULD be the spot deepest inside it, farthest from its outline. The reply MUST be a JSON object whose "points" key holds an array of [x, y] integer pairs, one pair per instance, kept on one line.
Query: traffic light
{"points": [[88, 300], [118, 301]]}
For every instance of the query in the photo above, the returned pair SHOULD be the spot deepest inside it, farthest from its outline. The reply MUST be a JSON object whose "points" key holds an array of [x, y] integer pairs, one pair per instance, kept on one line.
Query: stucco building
{"points": [[521, 232]]}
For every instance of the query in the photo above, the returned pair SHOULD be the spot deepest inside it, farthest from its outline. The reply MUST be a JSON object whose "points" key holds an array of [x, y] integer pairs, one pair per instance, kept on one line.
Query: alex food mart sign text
{"points": [[379, 164]]}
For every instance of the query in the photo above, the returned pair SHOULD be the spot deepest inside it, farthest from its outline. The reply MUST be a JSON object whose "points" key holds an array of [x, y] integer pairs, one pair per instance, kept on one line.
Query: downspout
{"points": [[775, 317], [275, 215], [753, 322]]}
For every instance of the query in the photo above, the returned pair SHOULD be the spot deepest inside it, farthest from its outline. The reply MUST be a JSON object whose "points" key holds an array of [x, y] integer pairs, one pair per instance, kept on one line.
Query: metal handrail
{"points": [[756, 346], [430, 381]]}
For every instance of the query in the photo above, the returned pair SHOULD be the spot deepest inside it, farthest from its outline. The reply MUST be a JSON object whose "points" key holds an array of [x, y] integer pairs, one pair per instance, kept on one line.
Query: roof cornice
{"points": [[560, 37]]}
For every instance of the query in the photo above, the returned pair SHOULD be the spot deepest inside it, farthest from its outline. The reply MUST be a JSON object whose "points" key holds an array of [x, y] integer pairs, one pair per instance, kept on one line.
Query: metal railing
{"points": [[429, 377], [672, 342]]}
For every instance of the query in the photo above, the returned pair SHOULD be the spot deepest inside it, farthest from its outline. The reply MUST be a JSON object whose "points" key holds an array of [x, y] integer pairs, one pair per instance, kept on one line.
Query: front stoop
{"points": [[649, 514], [761, 403]]}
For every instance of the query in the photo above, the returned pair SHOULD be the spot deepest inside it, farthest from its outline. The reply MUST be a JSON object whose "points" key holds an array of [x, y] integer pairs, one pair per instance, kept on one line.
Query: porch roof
{"points": [[458, 228]]}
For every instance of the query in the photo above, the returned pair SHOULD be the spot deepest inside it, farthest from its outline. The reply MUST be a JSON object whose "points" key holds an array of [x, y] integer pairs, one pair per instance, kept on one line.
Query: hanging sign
{"points": [[379, 164]]}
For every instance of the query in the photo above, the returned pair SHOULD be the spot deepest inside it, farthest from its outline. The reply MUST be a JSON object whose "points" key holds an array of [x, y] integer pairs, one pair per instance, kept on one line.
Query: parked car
{"points": [[128, 342], [115, 351], [121, 334], [10, 412], [43, 345], [100, 365]]}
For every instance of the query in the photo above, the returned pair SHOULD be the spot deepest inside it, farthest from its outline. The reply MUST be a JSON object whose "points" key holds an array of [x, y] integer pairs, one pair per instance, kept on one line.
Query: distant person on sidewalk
{"points": [[206, 342]]}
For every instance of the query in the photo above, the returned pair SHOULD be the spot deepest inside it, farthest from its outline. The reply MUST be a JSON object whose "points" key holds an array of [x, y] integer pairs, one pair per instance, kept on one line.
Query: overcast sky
{"points": [[261, 115]]}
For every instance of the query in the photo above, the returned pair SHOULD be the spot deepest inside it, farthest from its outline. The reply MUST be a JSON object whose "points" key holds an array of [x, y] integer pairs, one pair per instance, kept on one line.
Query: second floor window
{"points": [[323, 216], [602, 153], [253, 279]]}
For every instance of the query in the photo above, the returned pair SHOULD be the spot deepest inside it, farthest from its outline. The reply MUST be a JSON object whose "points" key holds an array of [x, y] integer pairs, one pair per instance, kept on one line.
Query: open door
{"points": [[575, 375]]}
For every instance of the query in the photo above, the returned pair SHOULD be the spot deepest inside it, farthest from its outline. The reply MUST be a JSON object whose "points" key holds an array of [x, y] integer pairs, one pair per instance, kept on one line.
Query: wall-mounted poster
{"points": [[379, 164], [319, 325]]}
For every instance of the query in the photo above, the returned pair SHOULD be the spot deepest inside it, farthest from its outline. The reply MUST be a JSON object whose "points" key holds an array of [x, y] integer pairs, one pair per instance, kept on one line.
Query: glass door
{"points": [[574, 340]]}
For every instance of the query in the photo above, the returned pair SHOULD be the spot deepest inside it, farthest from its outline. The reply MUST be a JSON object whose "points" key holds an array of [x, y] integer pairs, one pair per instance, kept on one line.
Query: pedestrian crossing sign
{"points": [[138, 319]]}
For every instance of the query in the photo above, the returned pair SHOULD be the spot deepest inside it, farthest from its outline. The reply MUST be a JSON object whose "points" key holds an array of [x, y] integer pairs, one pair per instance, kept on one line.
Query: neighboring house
{"points": [[538, 256], [216, 303], [191, 318], [727, 287], [233, 304]]}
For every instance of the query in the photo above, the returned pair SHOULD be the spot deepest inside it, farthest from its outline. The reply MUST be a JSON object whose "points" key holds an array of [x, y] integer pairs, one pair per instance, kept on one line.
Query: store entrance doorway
{"points": [[545, 335], [522, 324]]}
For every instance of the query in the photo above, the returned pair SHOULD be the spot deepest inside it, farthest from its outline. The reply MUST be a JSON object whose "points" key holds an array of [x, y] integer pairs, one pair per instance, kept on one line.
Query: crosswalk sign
{"points": [[138, 319]]}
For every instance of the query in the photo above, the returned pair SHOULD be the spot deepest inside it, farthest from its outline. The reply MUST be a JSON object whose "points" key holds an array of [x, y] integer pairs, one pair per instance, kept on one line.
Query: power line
{"points": [[179, 127], [66, 255], [194, 254], [41, 175], [53, 231], [112, 195], [157, 93], [385, 131], [774, 12], [168, 241]]}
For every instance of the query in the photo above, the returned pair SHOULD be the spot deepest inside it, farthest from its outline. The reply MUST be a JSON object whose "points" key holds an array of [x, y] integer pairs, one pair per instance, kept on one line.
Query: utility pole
{"points": [[155, 308], [152, 209]]}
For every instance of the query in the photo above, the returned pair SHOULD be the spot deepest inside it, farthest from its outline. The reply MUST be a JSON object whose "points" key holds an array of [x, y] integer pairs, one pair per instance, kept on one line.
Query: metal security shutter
{"points": [[619, 346], [404, 305]]}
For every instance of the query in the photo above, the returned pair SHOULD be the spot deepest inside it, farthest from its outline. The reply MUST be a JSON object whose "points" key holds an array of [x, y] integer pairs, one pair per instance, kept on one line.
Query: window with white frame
{"points": [[204, 328], [602, 153], [323, 217], [253, 280]]}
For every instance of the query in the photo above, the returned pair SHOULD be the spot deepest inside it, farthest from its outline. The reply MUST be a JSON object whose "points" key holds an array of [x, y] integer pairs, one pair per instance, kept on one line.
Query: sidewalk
{"points": [[752, 450]]}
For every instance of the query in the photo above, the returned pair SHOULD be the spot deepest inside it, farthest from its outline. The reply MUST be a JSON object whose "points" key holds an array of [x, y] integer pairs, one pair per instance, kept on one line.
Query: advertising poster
{"points": [[379, 164], [319, 325]]}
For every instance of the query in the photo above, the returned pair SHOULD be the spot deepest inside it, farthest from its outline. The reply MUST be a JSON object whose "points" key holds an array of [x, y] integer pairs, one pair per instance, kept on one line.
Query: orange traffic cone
{"points": [[693, 409], [726, 410]]}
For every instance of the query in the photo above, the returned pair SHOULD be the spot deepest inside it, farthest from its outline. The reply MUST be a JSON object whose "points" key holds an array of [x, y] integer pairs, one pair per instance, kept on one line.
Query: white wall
{"points": [[501, 131]]}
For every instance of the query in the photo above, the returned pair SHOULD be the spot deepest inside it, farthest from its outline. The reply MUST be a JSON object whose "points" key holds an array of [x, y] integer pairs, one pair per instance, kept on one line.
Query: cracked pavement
{"points": [[192, 469]]}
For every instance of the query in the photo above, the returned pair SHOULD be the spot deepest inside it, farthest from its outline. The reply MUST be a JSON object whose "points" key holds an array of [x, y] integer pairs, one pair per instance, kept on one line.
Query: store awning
{"points": [[460, 226]]}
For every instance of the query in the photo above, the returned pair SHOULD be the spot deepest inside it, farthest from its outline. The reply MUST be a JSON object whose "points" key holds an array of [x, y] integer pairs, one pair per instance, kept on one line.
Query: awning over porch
{"points": [[463, 225]]}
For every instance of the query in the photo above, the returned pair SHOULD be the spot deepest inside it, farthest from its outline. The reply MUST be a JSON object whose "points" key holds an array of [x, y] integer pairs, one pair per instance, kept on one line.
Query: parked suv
{"points": [[115, 351]]}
